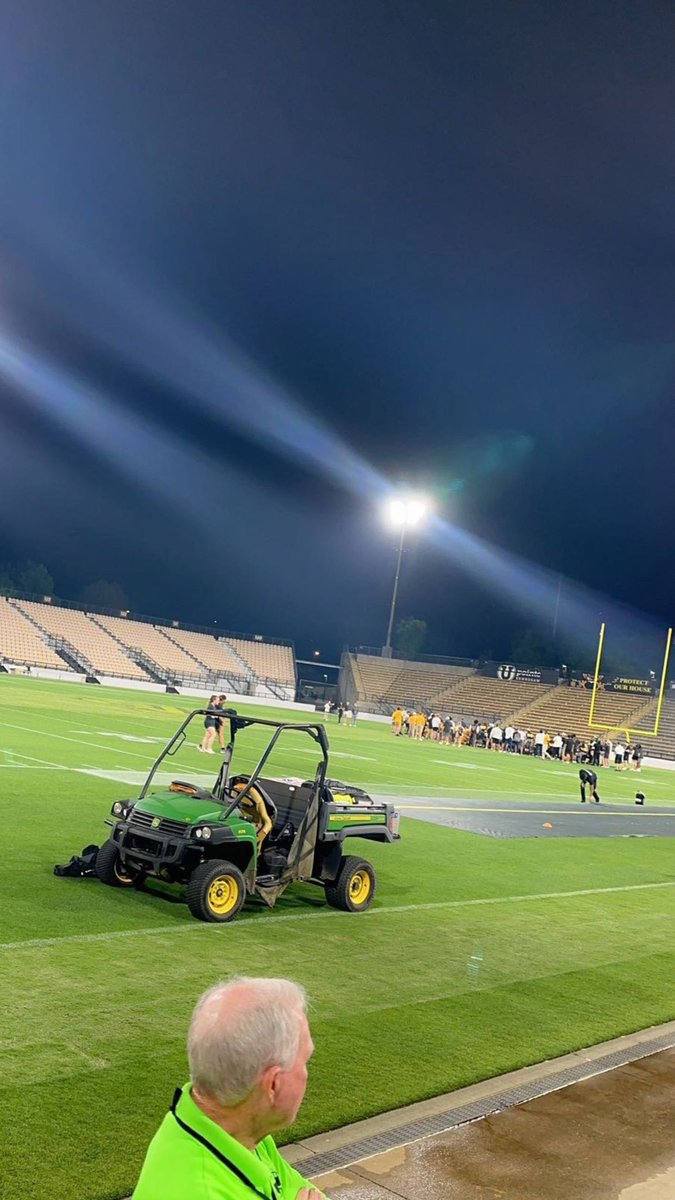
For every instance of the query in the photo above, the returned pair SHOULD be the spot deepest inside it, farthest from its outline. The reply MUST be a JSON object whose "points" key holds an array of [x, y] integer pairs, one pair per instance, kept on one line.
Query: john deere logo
{"points": [[155, 823]]}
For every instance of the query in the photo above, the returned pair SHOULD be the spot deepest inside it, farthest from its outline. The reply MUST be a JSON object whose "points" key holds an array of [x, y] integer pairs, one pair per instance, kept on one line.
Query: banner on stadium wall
{"points": [[639, 687], [511, 673]]}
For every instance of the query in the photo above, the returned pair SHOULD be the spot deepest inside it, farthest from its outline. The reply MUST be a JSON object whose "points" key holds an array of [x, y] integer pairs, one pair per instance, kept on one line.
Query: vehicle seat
{"points": [[256, 806]]}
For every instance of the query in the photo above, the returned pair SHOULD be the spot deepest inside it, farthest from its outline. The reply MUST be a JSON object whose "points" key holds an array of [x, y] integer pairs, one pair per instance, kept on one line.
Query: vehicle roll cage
{"points": [[314, 730]]}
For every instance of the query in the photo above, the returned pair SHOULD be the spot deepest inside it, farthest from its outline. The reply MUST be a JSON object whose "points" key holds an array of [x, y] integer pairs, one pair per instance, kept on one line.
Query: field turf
{"points": [[479, 955]]}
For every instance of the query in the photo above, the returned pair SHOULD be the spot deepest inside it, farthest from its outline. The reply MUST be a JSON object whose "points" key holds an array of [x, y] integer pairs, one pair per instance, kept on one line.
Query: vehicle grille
{"points": [[166, 825]]}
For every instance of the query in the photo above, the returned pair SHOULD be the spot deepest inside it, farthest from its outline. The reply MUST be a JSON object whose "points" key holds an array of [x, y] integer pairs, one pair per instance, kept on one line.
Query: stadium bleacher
{"points": [[48, 635], [154, 645], [566, 710], [20, 642], [663, 745], [392, 681], [209, 650], [487, 698], [93, 648], [267, 660]]}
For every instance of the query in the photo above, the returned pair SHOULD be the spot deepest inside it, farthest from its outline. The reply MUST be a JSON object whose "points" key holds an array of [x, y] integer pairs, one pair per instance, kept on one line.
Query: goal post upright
{"points": [[659, 699], [662, 689], [596, 677]]}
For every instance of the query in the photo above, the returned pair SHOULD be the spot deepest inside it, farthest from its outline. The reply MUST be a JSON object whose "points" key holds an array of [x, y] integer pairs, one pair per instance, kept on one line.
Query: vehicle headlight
{"points": [[118, 809], [206, 832]]}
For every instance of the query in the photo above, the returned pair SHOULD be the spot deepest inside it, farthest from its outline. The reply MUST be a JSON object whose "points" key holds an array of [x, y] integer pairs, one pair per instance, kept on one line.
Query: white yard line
{"points": [[271, 922], [463, 766], [43, 733], [124, 737], [44, 764], [30, 767]]}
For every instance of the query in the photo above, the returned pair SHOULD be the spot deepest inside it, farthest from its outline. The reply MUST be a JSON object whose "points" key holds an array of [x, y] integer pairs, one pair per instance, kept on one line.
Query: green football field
{"points": [[478, 956]]}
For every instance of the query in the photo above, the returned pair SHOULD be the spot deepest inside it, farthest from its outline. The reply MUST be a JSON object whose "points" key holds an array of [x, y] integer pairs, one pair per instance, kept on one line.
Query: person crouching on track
{"points": [[588, 779]]}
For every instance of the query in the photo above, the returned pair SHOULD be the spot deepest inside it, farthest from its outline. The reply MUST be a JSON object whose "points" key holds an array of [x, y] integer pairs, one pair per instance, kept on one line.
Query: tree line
{"points": [[35, 579]]}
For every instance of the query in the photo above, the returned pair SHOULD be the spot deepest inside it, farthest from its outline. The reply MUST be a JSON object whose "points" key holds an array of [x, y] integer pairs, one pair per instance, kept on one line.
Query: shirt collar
{"points": [[256, 1169]]}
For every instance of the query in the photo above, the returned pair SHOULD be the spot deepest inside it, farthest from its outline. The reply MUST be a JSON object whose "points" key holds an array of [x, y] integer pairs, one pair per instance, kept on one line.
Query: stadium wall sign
{"points": [[620, 683], [512, 673]]}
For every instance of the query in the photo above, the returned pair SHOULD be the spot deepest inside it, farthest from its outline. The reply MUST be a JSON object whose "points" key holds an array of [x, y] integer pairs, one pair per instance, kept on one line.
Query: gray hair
{"points": [[238, 1029]]}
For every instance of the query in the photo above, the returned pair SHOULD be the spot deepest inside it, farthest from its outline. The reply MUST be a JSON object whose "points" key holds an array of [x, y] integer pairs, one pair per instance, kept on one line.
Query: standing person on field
{"points": [[221, 702], [211, 727], [248, 1048]]}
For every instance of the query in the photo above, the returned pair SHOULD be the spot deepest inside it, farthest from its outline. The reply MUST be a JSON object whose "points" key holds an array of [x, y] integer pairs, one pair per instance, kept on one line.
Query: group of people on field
{"points": [[492, 735], [346, 713]]}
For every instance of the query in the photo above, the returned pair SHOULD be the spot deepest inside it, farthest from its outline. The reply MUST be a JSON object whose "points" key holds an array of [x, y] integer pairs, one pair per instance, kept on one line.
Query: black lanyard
{"points": [[276, 1182]]}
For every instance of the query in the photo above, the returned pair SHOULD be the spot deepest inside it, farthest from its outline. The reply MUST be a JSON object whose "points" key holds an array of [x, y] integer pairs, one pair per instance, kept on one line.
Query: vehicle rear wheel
{"points": [[216, 891], [109, 867], [354, 887]]}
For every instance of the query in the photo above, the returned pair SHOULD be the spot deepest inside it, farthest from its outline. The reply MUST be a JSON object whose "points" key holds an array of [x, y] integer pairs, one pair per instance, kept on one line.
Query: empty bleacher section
{"points": [[52, 636], [663, 745], [155, 649], [567, 709], [486, 699], [269, 661], [383, 683], [83, 643], [211, 651], [21, 642]]}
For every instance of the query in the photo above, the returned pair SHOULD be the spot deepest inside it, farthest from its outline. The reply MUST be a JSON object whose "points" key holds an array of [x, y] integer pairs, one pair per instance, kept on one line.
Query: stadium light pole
{"points": [[403, 511]]}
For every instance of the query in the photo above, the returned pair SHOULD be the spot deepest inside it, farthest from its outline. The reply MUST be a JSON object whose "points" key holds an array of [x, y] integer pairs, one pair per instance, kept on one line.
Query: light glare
{"points": [[405, 511]]}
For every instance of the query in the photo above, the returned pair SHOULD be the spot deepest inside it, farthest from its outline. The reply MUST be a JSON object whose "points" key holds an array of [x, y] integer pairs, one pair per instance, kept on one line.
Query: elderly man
{"points": [[248, 1048]]}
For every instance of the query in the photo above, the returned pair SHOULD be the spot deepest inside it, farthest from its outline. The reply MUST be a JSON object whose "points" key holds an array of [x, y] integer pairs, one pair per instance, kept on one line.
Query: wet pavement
{"points": [[609, 1137]]}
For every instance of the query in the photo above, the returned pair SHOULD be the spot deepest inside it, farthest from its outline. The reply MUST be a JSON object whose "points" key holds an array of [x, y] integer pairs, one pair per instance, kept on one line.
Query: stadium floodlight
{"points": [[404, 511]]}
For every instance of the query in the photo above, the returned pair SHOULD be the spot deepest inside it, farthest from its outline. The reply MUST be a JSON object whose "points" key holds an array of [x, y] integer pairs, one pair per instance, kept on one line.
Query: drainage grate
{"points": [[345, 1156]]}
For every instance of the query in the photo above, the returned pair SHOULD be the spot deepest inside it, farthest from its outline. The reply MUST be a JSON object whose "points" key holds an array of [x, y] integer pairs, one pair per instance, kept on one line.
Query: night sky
{"points": [[259, 259]]}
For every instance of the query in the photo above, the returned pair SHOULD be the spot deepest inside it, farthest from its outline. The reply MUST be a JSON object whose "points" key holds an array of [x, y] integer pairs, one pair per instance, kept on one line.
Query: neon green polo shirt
{"points": [[192, 1158]]}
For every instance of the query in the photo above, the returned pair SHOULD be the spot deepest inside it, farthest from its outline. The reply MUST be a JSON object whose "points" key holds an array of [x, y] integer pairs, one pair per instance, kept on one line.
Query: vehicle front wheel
{"points": [[354, 887], [216, 891], [109, 867]]}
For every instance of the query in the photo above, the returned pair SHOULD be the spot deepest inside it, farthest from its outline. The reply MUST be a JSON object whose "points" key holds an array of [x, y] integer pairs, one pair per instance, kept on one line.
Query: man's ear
{"points": [[269, 1082]]}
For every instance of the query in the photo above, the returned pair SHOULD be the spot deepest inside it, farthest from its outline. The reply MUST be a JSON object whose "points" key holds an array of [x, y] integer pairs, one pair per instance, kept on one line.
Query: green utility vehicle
{"points": [[249, 833]]}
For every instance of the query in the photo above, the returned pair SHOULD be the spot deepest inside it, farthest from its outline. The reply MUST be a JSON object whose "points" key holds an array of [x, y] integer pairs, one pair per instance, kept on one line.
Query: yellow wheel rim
{"points": [[121, 875], [360, 887], [222, 895]]}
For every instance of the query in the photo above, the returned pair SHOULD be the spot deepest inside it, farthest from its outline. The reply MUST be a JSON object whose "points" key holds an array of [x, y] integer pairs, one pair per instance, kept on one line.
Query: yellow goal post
{"points": [[630, 733]]}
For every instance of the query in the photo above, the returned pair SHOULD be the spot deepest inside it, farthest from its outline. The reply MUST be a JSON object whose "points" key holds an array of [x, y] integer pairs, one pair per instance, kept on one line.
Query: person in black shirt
{"points": [[588, 779]]}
